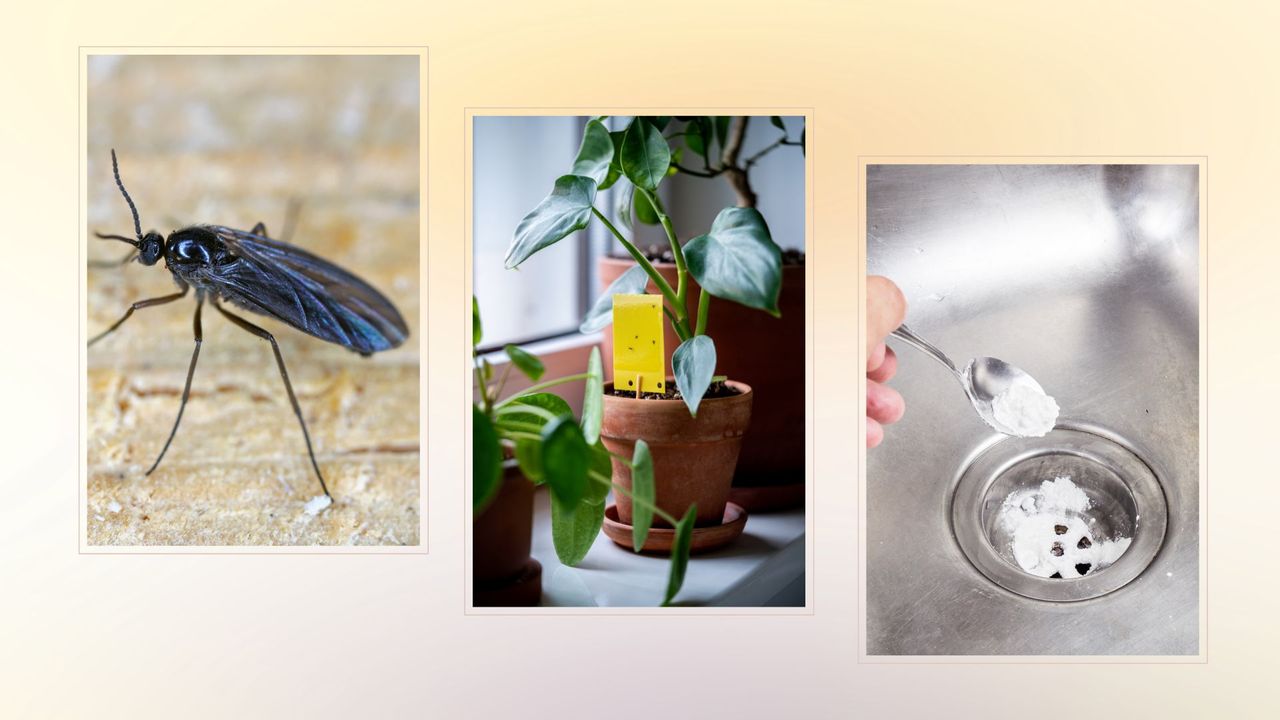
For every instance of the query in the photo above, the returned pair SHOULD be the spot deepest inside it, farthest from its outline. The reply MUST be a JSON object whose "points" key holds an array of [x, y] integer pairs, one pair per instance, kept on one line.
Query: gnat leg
{"points": [[288, 386], [138, 306], [186, 390]]}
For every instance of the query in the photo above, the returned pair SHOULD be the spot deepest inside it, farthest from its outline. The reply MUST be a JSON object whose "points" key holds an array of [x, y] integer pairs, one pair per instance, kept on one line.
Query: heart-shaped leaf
{"points": [[574, 527], [566, 458], [526, 362], [680, 554], [593, 398], [642, 491], [486, 460], [694, 362], [645, 155], [631, 282], [595, 153], [565, 211], [738, 260]]}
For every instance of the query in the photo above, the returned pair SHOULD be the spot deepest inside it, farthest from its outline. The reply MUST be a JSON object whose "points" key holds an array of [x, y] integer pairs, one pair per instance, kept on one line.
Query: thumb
{"points": [[886, 309]]}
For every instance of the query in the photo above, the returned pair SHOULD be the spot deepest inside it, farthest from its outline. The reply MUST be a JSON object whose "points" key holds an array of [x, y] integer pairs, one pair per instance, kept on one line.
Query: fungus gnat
{"points": [[265, 276]]}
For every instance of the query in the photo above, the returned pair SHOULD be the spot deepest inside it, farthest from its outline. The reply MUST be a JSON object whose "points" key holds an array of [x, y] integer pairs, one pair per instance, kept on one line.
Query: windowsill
{"points": [[562, 356], [762, 568]]}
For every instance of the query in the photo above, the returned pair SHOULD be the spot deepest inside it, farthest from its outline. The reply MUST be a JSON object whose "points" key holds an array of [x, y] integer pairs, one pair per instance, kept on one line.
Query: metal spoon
{"points": [[982, 379]]}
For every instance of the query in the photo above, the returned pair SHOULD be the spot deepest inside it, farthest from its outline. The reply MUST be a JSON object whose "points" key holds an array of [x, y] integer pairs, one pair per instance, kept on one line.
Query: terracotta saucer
{"points": [[660, 539]]}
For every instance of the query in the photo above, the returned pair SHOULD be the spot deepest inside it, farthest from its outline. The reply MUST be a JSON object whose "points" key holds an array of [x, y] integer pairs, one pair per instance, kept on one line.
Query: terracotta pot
{"points": [[693, 458], [502, 571], [756, 348]]}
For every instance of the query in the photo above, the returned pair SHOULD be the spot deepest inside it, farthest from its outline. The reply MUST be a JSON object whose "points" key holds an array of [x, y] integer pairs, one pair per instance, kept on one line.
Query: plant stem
{"points": [[485, 403], [540, 387], [663, 286], [643, 503], [704, 305]]}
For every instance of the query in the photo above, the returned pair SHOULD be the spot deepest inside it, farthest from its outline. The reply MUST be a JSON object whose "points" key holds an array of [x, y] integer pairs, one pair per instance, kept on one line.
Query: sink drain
{"points": [[1069, 516]]}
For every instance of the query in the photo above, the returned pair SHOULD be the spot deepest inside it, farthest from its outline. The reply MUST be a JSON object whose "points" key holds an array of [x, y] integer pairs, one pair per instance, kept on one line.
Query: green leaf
{"points": [[645, 155], [550, 402], [680, 554], [615, 165], [526, 362], [694, 362], [574, 527], [593, 398], [566, 457], [738, 260], [477, 331], [529, 457], [698, 135], [642, 491], [658, 121], [643, 209], [777, 122], [721, 123], [602, 465], [565, 211], [631, 282], [486, 460], [595, 153]]}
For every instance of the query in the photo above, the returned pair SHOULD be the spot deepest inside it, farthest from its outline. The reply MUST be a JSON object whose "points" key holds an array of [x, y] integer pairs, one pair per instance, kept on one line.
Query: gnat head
{"points": [[150, 246]]}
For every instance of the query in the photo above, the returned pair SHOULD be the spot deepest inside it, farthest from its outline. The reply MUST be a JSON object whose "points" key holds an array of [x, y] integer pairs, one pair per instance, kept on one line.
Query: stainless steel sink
{"points": [[1087, 277]]}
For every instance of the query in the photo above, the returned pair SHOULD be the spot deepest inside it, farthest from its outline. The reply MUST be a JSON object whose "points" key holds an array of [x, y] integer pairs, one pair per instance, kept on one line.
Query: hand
{"points": [[886, 309]]}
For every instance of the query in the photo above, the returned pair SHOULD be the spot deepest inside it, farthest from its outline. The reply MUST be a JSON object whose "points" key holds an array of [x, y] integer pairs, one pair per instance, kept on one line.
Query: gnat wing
{"points": [[310, 293]]}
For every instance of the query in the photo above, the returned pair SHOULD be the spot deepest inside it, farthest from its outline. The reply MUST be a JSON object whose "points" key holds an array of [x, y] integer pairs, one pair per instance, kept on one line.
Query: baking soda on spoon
{"points": [[1025, 410]]}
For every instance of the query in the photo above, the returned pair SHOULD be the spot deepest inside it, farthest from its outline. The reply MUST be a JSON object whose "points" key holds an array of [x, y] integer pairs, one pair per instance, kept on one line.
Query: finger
{"points": [[884, 404], [875, 358], [875, 433], [887, 367], [886, 308]]}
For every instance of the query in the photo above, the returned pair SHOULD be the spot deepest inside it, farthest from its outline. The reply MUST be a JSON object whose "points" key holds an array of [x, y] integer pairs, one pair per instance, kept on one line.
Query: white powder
{"points": [[317, 503], [1023, 409], [1050, 532], [114, 506]]}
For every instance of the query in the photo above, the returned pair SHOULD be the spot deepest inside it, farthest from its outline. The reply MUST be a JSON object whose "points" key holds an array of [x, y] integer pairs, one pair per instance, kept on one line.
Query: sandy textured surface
{"points": [[231, 141]]}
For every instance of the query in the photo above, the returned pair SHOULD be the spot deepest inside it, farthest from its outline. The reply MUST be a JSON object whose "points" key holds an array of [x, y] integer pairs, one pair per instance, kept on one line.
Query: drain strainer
{"points": [[1100, 518]]}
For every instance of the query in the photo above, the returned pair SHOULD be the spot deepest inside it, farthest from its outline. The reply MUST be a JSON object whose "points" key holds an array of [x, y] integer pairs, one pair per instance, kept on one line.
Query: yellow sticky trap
{"points": [[637, 343]]}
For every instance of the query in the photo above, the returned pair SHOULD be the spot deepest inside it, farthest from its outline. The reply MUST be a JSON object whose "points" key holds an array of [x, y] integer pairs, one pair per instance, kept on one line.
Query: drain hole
{"points": [[1083, 568]]}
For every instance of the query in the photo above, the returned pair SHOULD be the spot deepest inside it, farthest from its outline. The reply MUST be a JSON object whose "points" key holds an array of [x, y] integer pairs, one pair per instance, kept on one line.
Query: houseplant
{"points": [[736, 260], [532, 438], [758, 348]]}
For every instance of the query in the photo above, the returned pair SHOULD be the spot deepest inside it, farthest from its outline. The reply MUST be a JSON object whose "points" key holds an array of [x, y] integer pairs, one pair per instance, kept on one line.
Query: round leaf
{"points": [[738, 260], [565, 211], [566, 457], [694, 362], [645, 155], [574, 527], [486, 460], [526, 362]]}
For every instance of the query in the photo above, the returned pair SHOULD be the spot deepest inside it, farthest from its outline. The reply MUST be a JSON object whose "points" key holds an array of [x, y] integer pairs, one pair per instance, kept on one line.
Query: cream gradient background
{"points": [[385, 635]]}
